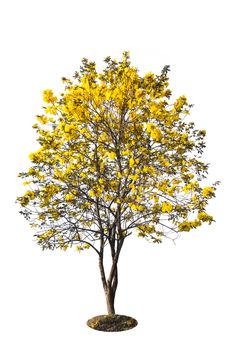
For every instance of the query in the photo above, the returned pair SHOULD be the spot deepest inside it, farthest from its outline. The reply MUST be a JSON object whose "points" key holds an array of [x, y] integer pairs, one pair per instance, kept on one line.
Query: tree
{"points": [[116, 159]]}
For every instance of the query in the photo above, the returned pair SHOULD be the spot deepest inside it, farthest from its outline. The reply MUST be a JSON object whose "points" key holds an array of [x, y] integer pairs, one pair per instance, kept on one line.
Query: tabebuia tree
{"points": [[116, 158]]}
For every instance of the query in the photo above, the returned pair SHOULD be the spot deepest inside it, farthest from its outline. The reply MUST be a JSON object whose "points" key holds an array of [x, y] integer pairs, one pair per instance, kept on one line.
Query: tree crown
{"points": [[115, 156]]}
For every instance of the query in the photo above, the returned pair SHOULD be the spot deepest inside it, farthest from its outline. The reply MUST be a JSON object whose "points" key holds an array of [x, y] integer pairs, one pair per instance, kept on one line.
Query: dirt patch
{"points": [[115, 323]]}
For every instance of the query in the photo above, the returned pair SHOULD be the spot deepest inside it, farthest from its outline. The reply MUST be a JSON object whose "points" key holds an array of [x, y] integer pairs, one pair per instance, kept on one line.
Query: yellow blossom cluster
{"points": [[48, 96]]}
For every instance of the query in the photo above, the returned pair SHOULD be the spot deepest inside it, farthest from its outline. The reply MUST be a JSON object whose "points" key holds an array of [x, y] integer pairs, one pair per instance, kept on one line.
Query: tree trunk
{"points": [[110, 296], [110, 284], [109, 287]]}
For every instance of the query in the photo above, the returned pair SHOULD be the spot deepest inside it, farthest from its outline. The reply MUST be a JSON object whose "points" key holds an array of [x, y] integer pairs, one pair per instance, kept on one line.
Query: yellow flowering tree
{"points": [[116, 158]]}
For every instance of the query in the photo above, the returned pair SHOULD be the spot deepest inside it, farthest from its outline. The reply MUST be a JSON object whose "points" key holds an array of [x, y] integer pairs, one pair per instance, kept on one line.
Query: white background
{"points": [[181, 295]]}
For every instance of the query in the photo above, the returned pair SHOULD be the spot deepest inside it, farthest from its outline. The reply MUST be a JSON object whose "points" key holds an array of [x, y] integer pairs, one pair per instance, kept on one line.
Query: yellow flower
{"points": [[48, 96], [35, 126], [204, 216], [134, 177], [131, 162], [42, 216], [83, 130], [30, 194], [112, 155], [156, 135], [126, 152], [42, 119], [146, 169], [23, 200], [68, 128], [187, 188], [132, 186], [149, 127], [86, 246], [31, 156], [184, 226], [92, 193], [208, 192], [78, 248], [65, 246], [194, 198], [69, 197], [51, 110], [180, 102], [195, 223], [107, 197], [166, 163], [166, 207], [26, 183]]}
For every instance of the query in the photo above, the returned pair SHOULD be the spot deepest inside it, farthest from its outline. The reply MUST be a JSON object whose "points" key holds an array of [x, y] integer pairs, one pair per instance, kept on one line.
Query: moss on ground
{"points": [[115, 323]]}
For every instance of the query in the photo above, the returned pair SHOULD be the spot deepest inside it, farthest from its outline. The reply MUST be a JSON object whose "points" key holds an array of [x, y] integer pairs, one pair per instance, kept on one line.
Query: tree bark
{"points": [[110, 285], [112, 282], [110, 297]]}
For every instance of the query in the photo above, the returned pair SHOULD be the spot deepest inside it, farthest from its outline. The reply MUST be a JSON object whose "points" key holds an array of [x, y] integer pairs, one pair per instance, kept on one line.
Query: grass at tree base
{"points": [[114, 323]]}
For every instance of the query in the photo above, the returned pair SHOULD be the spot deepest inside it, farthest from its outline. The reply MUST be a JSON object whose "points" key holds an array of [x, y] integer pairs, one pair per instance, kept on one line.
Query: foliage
{"points": [[115, 158]]}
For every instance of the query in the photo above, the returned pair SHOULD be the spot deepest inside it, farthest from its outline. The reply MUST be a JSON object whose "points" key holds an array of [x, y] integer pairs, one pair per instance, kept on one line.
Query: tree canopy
{"points": [[116, 158]]}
